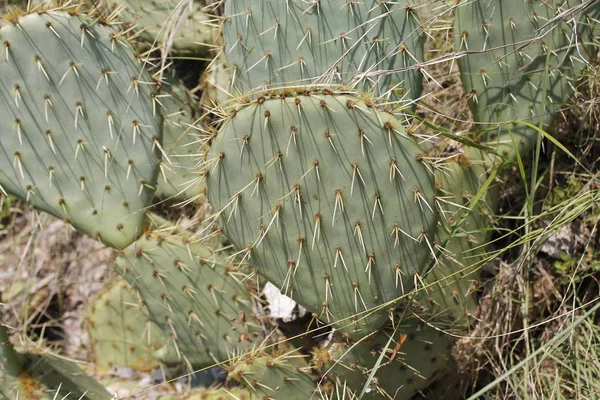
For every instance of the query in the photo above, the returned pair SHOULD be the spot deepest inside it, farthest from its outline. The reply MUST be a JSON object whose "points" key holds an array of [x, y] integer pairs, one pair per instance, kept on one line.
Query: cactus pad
{"points": [[518, 67], [462, 236], [179, 172], [283, 376], [43, 377], [338, 41], [182, 26], [120, 335], [76, 124], [329, 197], [416, 356], [193, 295]]}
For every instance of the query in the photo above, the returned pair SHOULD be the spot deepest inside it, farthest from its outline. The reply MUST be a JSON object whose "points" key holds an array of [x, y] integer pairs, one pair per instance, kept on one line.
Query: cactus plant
{"points": [[42, 376], [298, 43], [519, 67], [193, 294], [179, 178], [415, 356], [169, 25], [322, 189], [119, 334], [329, 198], [79, 139], [273, 376]]}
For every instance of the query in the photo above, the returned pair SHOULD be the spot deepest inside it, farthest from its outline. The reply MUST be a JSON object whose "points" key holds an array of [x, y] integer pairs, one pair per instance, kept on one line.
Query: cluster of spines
{"points": [[273, 376]]}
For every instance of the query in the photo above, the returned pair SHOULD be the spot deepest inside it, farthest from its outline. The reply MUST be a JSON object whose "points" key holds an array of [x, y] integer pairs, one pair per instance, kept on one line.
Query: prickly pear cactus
{"points": [[216, 83], [213, 394], [180, 26], [464, 230], [273, 376], [120, 335], [77, 131], [330, 198], [199, 301], [415, 356], [301, 42], [518, 68], [43, 377], [182, 147], [589, 25]]}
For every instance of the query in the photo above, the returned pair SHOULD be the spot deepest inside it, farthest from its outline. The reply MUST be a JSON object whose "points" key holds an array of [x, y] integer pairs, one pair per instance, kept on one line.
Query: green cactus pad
{"points": [[43, 377], [216, 83], [330, 198], [179, 177], [276, 376], [517, 68], [196, 298], [120, 335], [465, 229], [338, 41], [76, 124], [589, 27], [180, 26], [213, 394], [416, 356]]}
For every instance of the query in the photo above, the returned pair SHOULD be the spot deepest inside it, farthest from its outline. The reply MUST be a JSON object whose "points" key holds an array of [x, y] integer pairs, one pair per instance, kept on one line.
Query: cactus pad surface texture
{"points": [[191, 292], [120, 334], [181, 27], [520, 69], [298, 42], [330, 198], [179, 178], [77, 127], [273, 376], [415, 355], [42, 376]]}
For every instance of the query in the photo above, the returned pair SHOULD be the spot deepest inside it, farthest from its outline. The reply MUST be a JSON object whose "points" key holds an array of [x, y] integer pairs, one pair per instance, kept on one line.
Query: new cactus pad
{"points": [[79, 139], [298, 42], [330, 198]]}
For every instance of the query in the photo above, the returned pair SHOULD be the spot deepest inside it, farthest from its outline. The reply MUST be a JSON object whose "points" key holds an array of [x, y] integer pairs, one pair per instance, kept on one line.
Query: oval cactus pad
{"points": [[329, 197], [78, 134]]}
